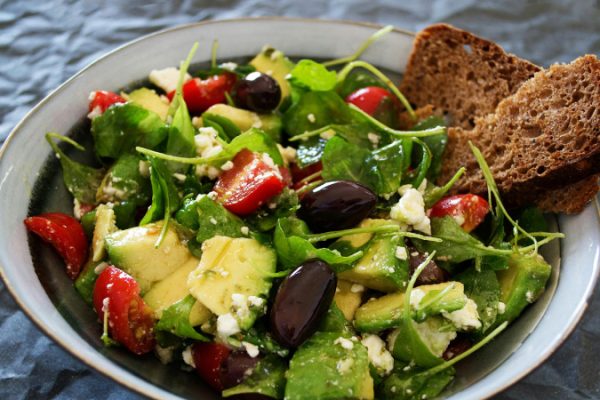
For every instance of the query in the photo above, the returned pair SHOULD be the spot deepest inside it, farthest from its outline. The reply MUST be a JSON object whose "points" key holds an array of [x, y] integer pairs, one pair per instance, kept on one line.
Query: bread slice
{"points": [[544, 137], [461, 74]]}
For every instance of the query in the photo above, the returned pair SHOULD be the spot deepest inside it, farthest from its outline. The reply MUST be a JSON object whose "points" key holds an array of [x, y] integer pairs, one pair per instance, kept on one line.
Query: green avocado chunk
{"points": [[329, 366], [245, 120], [274, 63], [379, 268], [233, 276], [521, 284], [151, 101], [422, 343], [267, 379], [133, 250], [387, 311]]}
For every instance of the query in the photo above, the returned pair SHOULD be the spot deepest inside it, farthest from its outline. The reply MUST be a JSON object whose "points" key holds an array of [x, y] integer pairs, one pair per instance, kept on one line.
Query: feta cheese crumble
{"points": [[410, 210], [466, 318], [345, 343], [501, 307], [187, 357], [379, 356], [207, 145], [344, 366], [311, 118], [227, 325], [166, 78], [251, 349], [401, 253]]}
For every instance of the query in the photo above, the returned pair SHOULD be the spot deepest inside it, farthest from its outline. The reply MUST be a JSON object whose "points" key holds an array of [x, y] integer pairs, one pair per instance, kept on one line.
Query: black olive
{"points": [[336, 205], [257, 92], [302, 301], [431, 274], [236, 367]]}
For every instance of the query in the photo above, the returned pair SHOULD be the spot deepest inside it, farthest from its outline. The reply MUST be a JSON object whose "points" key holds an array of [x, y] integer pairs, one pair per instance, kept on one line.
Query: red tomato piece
{"points": [[100, 100], [368, 98], [468, 209], [299, 175], [65, 234], [200, 94], [130, 320], [209, 359], [251, 182]]}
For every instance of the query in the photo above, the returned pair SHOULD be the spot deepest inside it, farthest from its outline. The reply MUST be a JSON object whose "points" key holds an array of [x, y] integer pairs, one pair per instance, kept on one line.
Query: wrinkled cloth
{"points": [[42, 43]]}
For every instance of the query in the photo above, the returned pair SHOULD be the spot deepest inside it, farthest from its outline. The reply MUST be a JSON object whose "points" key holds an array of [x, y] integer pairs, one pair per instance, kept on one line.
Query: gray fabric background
{"points": [[42, 43]]}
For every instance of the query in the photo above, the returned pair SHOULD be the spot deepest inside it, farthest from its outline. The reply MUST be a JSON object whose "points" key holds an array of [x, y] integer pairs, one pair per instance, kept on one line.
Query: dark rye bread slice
{"points": [[461, 74], [543, 138]]}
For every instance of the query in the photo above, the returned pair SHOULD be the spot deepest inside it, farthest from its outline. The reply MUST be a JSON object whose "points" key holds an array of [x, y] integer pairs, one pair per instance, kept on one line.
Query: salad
{"points": [[276, 227]]}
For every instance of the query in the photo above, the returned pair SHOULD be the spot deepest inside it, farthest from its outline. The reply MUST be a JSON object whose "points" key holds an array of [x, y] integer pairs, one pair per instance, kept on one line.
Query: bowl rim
{"points": [[153, 391]]}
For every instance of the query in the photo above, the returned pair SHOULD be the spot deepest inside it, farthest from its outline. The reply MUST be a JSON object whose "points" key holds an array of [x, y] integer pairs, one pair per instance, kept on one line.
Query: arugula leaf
{"points": [[310, 151], [81, 180], [293, 249], [267, 379], [484, 289], [413, 383], [122, 127], [531, 219], [176, 320], [165, 200], [124, 178], [180, 141], [215, 220], [260, 336], [224, 126], [436, 144], [266, 218], [254, 140], [157, 207], [313, 75], [324, 108], [380, 169], [457, 245], [358, 79]]}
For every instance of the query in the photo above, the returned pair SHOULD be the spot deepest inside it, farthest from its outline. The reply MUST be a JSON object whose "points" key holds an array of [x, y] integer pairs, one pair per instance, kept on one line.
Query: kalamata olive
{"points": [[236, 367], [336, 205], [431, 274], [457, 347], [302, 301], [257, 92]]}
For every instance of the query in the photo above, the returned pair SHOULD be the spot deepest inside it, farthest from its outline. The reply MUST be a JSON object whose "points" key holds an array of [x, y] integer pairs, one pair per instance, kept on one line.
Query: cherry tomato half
{"points": [[67, 236], [369, 98], [251, 182], [100, 100], [130, 320], [200, 94], [209, 358], [469, 210], [300, 175]]}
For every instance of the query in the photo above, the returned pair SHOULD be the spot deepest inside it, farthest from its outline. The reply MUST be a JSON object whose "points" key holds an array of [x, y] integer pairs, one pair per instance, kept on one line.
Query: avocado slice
{"points": [[421, 342], [270, 123], [104, 225], [133, 250], [275, 64], [521, 284], [387, 311], [173, 289], [379, 268], [231, 269], [150, 100], [84, 284], [329, 366], [348, 298]]}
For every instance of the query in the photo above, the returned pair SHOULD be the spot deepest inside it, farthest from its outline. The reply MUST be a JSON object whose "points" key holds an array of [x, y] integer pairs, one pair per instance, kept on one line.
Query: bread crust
{"points": [[538, 130]]}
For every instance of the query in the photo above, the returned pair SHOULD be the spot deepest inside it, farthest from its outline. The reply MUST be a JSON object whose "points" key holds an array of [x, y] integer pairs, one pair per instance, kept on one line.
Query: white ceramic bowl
{"points": [[43, 291]]}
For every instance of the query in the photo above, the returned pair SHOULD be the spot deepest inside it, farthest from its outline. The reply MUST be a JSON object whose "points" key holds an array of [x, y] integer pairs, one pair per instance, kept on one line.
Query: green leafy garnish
{"points": [[176, 320], [312, 75], [81, 180]]}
